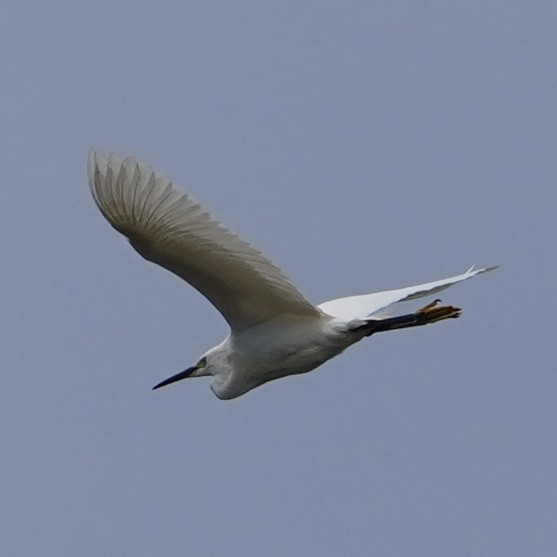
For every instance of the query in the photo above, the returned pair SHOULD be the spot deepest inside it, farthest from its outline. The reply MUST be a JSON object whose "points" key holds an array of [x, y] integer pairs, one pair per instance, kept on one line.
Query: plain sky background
{"points": [[362, 146]]}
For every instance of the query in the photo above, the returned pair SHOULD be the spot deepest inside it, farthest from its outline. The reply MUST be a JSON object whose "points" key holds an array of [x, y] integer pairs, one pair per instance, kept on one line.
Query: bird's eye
{"points": [[202, 363]]}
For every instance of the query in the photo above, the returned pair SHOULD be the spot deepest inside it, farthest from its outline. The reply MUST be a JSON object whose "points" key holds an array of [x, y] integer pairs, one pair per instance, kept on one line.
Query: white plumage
{"points": [[274, 330]]}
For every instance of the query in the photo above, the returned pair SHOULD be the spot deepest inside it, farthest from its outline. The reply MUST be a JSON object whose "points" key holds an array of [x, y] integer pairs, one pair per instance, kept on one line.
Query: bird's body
{"points": [[279, 347], [275, 331]]}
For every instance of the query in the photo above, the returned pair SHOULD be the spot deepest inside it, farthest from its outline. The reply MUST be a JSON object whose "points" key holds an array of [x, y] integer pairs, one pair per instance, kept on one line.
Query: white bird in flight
{"points": [[274, 330]]}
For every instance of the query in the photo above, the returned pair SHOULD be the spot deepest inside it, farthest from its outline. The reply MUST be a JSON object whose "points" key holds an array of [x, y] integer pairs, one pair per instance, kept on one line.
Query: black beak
{"points": [[177, 377]]}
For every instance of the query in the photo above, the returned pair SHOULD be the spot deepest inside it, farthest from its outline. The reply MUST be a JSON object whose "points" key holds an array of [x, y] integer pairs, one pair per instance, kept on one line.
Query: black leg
{"points": [[428, 314]]}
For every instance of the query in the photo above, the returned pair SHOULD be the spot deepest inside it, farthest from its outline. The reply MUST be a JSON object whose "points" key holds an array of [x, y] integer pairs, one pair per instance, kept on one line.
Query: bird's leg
{"points": [[431, 313]]}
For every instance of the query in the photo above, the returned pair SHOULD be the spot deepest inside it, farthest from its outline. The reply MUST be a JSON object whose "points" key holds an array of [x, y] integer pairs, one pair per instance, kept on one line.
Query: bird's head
{"points": [[214, 362]]}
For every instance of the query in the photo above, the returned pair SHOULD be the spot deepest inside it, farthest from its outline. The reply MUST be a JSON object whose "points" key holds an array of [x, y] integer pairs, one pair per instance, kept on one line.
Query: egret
{"points": [[274, 330]]}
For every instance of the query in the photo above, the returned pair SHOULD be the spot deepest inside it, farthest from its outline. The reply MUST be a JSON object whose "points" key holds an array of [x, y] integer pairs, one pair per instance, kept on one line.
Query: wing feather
{"points": [[355, 307], [166, 227]]}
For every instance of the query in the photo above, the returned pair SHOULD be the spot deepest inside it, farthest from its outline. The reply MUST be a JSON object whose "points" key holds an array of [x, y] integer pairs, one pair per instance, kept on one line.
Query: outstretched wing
{"points": [[166, 227], [354, 307]]}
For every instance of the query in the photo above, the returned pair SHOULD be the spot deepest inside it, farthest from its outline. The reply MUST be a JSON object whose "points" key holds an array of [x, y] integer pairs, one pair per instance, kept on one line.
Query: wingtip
{"points": [[91, 163], [473, 271], [97, 161], [487, 269]]}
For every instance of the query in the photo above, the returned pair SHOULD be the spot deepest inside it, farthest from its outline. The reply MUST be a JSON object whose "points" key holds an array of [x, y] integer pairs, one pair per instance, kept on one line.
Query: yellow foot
{"points": [[432, 312]]}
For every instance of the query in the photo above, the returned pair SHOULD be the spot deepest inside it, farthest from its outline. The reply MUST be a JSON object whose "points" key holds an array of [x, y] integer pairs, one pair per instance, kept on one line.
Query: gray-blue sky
{"points": [[362, 146]]}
